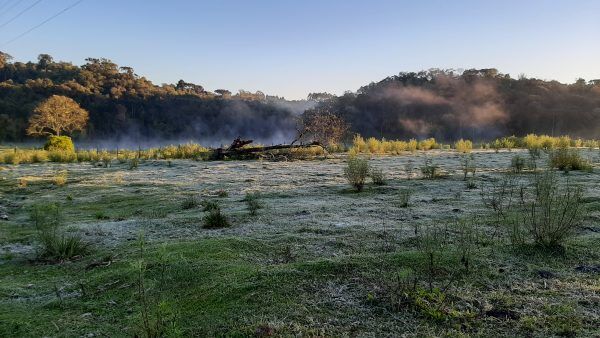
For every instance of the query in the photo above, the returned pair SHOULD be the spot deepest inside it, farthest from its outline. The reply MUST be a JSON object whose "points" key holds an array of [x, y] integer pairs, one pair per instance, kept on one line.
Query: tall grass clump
{"points": [[463, 146], [253, 203], [215, 219], [545, 215], [356, 172], [568, 159], [55, 245], [377, 176]]}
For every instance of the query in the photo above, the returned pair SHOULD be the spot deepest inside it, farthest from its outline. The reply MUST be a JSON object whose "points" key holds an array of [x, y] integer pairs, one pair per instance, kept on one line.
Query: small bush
{"points": [[568, 159], [517, 163], [430, 170], [377, 176], [190, 202], [463, 146], [253, 204], [404, 198], [60, 179], [55, 245], [209, 205], [468, 166], [555, 211], [215, 219], [356, 172], [59, 143], [62, 156], [134, 163]]}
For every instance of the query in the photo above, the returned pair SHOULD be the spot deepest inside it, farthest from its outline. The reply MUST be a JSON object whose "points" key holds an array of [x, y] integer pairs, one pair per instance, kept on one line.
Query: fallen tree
{"points": [[240, 149]]}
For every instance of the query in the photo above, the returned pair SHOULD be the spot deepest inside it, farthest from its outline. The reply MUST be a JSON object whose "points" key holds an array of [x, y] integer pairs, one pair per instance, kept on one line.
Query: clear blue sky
{"points": [[291, 47]]}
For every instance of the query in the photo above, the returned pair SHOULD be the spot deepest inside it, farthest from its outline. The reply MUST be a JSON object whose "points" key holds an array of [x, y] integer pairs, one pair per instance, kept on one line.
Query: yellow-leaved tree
{"points": [[57, 115]]}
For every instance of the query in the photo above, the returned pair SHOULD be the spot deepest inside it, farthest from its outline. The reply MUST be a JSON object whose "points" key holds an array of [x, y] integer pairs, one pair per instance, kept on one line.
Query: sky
{"points": [[291, 47]]}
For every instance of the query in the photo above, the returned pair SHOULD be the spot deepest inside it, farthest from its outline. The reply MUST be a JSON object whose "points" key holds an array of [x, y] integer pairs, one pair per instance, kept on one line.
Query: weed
{"points": [[377, 176], [209, 205], [356, 172], [468, 166], [568, 159], [517, 163], [253, 204], [404, 198], [430, 170], [222, 193], [60, 179], [134, 163], [463, 146], [189, 202], [215, 219], [55, 245]]}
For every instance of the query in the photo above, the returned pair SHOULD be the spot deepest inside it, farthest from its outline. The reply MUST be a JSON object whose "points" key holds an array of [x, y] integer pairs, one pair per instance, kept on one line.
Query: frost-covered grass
{"points": [[318, 259]]}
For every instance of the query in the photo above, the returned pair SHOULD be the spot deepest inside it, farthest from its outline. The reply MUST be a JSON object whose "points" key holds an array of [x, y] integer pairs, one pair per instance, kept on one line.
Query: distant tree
{"points": [[4, 59], [223, 92], [44, 60], [320, 96], [320, 125], [57, 115]]}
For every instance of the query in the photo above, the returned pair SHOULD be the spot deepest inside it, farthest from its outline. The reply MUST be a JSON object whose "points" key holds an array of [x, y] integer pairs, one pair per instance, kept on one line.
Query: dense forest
{"points": [[475, 104], [128, 109]]}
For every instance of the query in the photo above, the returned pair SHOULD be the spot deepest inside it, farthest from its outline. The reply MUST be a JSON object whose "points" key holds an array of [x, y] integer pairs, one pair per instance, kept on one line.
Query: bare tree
{"points": [[320, 125], [56, 115]]}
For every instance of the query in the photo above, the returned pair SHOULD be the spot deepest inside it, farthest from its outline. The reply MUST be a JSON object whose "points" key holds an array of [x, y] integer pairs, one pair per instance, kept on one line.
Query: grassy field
{"points": [[312, 258]]}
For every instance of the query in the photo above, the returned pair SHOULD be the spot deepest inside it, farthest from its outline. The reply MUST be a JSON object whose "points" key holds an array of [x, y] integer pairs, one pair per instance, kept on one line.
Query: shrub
{"points": [[404, 198], [39, 156], [430, 170], [55, 245], [190, 202], [59, 143], [463, 146], [62, 156], [209, 205], [356, 172], [468, 166], [60, 179], [215, 219], [517, 163], [428, 144], [554, 212], [568, 159], [134, 163], [377, 176], [253, 204]]}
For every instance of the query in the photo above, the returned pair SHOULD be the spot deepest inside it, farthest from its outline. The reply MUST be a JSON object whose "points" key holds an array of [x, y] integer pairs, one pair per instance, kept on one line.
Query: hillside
{"points": [[129, 109]]}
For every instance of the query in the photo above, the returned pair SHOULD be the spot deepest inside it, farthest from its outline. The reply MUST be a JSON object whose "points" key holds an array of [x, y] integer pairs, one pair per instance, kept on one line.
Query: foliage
{"points": [[517, 163], [568, 159], [468, 165], [215, 219], [463, 146], [59, 143], [253, 203], [377, 176], [55, 245], [56, 115], [404, 197], [189, 202], [430, 170], [356, 172], [546, 216], [322, 126]]}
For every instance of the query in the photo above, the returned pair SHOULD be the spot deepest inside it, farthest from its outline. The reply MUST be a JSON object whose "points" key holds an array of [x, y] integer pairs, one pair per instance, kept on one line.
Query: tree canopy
{"points": [[57, 115]]}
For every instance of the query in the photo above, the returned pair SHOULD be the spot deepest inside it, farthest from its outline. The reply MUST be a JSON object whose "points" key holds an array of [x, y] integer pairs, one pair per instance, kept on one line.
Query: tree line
{"points": [[446, 104]]}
